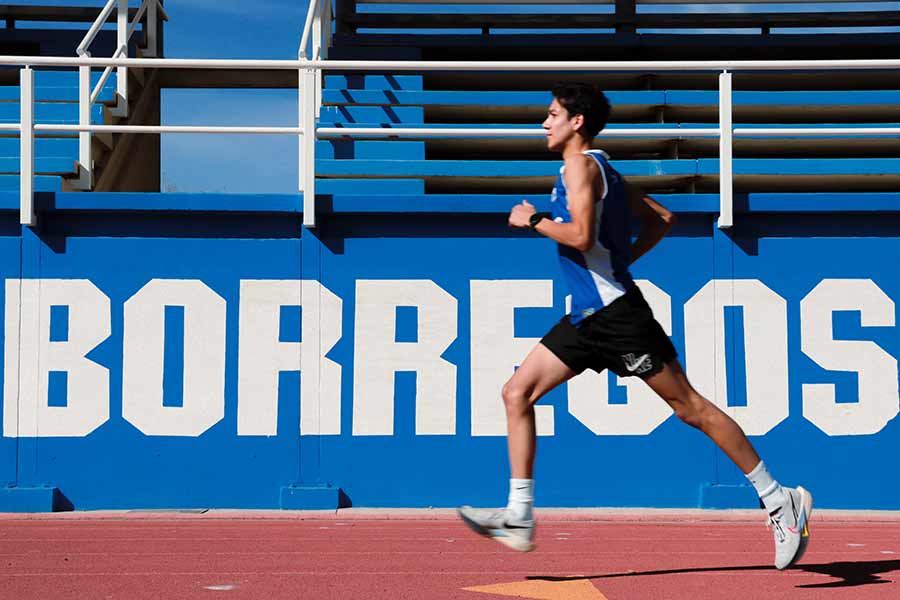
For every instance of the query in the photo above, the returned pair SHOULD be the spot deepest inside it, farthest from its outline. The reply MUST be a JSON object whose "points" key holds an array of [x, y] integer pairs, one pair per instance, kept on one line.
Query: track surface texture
{"points": [[430, 555]]}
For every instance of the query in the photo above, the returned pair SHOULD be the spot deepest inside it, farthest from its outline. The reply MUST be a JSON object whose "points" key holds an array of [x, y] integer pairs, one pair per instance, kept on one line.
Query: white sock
{"points": [[769, 490], [521, 498]]}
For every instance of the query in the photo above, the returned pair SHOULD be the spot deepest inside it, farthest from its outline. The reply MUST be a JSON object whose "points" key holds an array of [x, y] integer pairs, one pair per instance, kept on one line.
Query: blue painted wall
{"points": [[187, 238]]}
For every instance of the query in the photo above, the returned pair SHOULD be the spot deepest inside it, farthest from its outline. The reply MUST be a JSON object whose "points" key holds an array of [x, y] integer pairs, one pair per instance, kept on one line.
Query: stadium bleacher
{"points": [[664, 164], [56, 101], [521, 165]]}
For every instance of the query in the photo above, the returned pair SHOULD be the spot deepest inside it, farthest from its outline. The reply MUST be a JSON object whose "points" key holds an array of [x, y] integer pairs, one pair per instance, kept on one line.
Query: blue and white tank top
{"points": [[599, 276]]}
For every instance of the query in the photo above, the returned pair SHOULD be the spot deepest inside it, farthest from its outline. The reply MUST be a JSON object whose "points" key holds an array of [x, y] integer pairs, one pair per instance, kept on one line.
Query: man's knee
{"points": [[516, 397]]}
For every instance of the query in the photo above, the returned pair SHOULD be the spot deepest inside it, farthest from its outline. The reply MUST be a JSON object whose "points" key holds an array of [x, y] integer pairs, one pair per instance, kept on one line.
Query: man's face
{"points": [[560, 127]]}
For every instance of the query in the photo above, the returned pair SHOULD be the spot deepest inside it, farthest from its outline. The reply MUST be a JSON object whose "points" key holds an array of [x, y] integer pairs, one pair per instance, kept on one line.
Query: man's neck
{"points": [[575, 147]]}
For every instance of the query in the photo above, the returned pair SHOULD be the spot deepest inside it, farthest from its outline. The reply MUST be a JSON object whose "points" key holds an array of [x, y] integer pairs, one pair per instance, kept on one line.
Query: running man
{"points": [[610, 326]]}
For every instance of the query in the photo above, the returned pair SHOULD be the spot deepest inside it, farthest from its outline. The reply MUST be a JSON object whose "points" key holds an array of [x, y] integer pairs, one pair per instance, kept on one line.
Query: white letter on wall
{"points": [[644, 410], [143, 348], [261, 356], [878, 394], [30, 356], [378, 356], [765, 352], [496, 351]]}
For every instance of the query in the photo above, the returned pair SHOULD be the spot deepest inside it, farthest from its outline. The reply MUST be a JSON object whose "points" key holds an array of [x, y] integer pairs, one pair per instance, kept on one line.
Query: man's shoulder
{"points": [[580, 166]]}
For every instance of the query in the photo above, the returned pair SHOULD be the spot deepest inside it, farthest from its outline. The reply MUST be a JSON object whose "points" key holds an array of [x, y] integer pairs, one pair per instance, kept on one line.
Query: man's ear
{"points": [[577, 122]]}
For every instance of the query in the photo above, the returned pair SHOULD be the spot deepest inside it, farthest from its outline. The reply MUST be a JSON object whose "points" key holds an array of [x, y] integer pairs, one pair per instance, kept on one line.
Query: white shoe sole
{"points": [[510, 541], [514, 542]]}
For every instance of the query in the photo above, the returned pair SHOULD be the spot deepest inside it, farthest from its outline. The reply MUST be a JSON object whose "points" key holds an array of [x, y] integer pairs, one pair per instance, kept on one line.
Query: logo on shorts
{"points": [[638, 365]]}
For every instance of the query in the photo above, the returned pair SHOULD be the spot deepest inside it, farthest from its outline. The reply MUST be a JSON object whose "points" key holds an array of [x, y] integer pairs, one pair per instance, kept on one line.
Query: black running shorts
{"points": [[622, 337]]}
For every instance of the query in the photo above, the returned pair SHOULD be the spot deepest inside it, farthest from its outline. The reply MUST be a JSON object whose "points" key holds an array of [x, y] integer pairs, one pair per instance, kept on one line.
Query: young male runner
{"points": [[610, 326]]}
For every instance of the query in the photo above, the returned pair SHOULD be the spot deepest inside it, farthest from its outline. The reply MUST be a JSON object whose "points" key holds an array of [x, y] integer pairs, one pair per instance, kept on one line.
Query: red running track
{"points": [[290, 555]]}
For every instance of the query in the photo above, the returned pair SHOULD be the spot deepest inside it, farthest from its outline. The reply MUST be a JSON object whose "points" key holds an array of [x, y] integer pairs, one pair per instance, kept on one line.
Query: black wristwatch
{"points": [[536, 218]]}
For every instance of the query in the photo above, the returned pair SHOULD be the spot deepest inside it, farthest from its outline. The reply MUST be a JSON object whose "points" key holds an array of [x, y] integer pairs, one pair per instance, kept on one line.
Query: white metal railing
{"points": [[154, 10], [317, 27], [307, 105]]}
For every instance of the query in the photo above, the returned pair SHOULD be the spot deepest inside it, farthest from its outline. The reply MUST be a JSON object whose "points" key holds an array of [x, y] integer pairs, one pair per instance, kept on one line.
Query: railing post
{"points": [[26, 138], [317, 34], [85, 156], [308, 144], [320, 43], [301, 164], [121, 109], [726, 138]]}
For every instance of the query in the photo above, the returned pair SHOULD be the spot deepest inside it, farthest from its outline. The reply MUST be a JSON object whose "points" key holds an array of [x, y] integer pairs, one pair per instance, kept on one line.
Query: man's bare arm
{"points": [[580, 233], [656, 221]]}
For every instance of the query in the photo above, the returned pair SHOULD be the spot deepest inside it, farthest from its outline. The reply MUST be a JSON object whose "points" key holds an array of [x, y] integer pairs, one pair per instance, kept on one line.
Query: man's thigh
{"points": [[540, 372]]}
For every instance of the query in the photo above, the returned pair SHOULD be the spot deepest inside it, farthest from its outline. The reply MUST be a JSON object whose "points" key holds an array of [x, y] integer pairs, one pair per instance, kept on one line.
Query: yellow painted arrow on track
{"points": [[540, 589]]}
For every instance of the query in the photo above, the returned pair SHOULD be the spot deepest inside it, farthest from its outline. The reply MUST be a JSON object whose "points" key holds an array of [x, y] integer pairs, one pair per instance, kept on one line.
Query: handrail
{"points": [[308, 131], [307, 28], [95, 93], [335, 132], [87, 99], [363, 132], [155, 129], [95, 28], [372, 65], [123, 49], [103, 17]]}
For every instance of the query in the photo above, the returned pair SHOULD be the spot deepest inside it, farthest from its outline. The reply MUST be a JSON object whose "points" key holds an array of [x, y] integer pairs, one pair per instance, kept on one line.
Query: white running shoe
{"points": [[500, 525], [790, 525]]}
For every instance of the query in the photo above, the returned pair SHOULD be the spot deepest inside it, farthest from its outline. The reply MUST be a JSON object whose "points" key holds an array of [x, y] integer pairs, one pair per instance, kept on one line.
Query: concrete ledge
{"points": [[16, 499], [323, 497], [728, 496], [626, 515]]}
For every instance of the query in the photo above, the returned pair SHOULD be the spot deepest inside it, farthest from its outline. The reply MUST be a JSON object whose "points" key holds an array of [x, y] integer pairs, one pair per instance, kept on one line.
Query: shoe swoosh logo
{"points": [[508, 525]]}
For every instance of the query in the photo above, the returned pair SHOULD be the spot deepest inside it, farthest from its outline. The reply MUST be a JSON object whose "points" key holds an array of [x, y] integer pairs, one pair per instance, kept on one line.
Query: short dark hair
{"points": [[586, 100]]}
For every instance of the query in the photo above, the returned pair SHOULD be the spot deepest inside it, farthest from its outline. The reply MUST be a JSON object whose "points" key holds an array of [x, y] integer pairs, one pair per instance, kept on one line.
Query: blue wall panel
{"points": [[783, 256], [10, 264], [118, 465]]}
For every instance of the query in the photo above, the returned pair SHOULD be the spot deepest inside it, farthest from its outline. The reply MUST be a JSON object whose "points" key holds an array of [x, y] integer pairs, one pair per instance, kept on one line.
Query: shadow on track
{"points": [[847, 574]]}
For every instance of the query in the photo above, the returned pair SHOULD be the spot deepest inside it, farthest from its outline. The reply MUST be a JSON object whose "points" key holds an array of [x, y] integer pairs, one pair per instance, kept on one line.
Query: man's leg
{"points": [[672, 385], [539, 373], [788, 508], [514, 526]]}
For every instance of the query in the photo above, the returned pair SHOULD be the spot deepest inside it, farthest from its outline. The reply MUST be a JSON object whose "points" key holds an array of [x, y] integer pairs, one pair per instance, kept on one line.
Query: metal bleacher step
{"points": [[743, 81], [847, 174], [371, 114], [608, 21], [364, 149], [623, 16], [662, 105], [381, 83], [499, 204], [56, 93], [370, 186], [662, 146], [10, 147], [68, 78], [49, 112], [42, 183], [682, 45], [42, 165]]}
